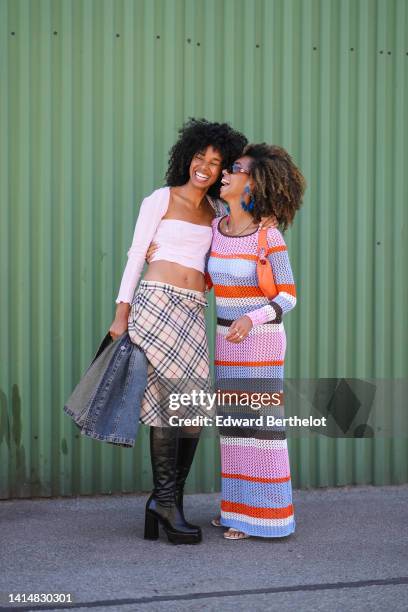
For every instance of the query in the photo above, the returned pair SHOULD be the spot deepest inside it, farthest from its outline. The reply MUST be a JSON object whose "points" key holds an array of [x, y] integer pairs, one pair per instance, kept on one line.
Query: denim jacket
{"points": [[106, 402]]}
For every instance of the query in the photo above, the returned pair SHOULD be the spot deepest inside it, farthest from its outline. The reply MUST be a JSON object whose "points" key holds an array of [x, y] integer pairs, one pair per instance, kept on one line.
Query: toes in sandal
{"points": [[229, 535], [216, 522]]}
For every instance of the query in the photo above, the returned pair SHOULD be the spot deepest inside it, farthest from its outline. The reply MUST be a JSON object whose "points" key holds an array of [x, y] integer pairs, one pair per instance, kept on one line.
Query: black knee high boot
{"points": [[161, 506], [185, 454]]}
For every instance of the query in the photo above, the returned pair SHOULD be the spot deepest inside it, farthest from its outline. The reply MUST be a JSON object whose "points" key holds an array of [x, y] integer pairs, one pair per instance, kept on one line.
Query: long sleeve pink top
{"points": [[179, 241]]}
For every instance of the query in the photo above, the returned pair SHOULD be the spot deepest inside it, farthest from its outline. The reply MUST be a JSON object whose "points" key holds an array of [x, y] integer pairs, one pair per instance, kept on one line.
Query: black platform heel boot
{"points": [[161, 506], [185, 454]]}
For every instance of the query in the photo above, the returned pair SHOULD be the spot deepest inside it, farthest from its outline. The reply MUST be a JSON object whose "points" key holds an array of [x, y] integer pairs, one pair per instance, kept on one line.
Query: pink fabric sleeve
{"points": [[262, 315], [152, 209]]}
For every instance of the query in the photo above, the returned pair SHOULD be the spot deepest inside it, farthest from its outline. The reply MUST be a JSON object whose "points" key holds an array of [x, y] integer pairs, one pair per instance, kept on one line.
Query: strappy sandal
{"points": [[216, 522], [228, 534]]}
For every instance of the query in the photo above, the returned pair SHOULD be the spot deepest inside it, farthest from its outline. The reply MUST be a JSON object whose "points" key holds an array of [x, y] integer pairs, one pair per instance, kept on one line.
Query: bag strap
{"points": [[263, 247]]}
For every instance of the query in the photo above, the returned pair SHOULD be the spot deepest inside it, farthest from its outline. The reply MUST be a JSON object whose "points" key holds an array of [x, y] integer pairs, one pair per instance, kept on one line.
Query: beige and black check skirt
{"points": [[168, 324]]}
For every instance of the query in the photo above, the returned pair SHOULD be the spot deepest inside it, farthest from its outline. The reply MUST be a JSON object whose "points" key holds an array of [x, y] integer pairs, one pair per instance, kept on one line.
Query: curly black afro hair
{"points": [[279, 184], [196, 135]]}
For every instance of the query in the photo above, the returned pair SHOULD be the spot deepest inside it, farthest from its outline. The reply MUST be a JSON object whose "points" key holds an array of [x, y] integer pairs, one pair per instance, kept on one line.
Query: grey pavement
{"points": [[349, 552]]}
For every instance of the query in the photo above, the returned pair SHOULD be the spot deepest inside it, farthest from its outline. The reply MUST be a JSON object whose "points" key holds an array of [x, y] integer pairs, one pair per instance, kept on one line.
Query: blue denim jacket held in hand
{"points": [[106, 403]]}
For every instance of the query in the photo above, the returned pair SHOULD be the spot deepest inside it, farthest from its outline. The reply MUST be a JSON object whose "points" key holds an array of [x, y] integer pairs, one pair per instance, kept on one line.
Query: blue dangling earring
{"points": [[251, 203]]}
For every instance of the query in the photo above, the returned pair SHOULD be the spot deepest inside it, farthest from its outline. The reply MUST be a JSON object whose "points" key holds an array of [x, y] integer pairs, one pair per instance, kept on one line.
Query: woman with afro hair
{"points": [[165, 315], [251, 342]]}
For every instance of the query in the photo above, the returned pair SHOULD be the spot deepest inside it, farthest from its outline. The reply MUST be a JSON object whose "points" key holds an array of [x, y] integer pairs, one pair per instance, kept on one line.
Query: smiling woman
{"points": [[251, 339], [205, 164], [167, 309], [195, 137]]}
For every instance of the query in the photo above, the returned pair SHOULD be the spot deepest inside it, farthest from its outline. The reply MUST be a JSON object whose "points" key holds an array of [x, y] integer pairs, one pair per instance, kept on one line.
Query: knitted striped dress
{"points": [[255, 472]]}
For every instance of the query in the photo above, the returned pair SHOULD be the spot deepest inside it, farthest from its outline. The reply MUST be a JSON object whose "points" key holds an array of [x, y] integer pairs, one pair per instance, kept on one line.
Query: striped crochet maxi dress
{"points": [[255, 471]]}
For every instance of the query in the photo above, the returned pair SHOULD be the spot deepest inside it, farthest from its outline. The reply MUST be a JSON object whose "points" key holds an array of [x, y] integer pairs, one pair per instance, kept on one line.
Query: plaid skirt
{"points": [[168, 324]]}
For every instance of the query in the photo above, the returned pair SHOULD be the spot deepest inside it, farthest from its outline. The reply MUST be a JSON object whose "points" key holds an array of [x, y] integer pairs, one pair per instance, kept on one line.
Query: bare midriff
{"points": [[175, 274]]}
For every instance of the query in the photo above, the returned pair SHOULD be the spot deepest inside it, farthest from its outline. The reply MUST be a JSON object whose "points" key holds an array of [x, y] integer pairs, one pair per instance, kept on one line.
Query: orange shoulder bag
{"points": [[266, 281]]}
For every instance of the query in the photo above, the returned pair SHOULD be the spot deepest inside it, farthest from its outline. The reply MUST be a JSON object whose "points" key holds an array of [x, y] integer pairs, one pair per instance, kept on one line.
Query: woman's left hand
{"points": [[267, 222], [239, 330]]}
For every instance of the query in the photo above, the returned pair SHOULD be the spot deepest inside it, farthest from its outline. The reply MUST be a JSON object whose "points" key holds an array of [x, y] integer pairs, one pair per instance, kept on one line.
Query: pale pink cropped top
{"points": [[181, 242]]}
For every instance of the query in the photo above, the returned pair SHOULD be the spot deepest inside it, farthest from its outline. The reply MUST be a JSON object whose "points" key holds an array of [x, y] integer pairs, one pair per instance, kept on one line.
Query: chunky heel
{"points": [[183, 538], [151, 531]]}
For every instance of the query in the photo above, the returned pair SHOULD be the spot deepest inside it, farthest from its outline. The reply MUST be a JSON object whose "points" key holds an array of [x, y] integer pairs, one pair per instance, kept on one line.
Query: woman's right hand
{"points": [[120, 322], [151, 250]]}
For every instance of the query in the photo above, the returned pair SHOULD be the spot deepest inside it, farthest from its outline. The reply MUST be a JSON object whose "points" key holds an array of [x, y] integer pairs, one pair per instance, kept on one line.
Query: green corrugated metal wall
{"points": [[92, 94]]}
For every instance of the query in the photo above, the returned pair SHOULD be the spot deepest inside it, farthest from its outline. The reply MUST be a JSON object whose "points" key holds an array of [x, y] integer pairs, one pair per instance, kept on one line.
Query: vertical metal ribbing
{"points": [[94, 95]]}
